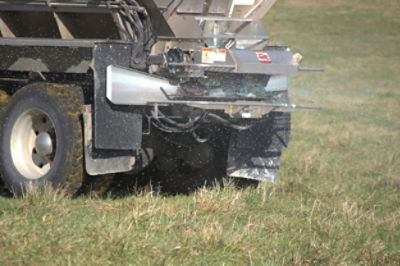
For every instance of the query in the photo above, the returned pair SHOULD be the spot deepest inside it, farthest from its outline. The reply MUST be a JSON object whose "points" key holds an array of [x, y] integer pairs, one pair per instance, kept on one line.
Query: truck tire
{"points": [[4, 98], [41, 139]]}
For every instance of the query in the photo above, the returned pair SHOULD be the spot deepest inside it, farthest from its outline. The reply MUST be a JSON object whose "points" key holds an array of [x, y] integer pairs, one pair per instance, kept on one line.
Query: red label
{"points": [[263, 57]]}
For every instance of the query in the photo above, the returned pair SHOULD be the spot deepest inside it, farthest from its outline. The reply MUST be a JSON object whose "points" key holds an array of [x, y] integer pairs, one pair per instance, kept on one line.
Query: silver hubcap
{"points": [[33, 144], [44, 144]]}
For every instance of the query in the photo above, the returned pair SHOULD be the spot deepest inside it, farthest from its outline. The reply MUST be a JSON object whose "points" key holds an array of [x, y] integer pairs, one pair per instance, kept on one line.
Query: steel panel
{"points": [[281, 62], [116, 127], [219, 7], [45, 59], [256, 153]]}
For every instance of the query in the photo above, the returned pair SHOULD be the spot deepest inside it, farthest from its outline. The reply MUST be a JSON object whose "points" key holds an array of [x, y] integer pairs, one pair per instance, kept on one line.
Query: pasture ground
{"points": [[338, 197]]}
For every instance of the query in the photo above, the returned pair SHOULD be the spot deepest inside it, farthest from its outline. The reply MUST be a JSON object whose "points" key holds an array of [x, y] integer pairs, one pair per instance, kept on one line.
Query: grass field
{"points": [[338, 197]]}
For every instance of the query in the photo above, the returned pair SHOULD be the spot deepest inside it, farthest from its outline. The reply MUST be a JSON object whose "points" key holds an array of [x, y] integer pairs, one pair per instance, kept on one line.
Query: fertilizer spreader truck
{"points": [[93, 88]]}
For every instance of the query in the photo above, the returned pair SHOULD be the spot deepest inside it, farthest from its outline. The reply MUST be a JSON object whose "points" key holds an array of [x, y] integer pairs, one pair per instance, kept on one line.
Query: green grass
{"points": [[338, 197]]}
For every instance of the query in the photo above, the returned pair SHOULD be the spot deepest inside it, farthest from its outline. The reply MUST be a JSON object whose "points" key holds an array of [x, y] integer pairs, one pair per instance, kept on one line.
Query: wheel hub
{"points": [[33, 144], [44, 144]]}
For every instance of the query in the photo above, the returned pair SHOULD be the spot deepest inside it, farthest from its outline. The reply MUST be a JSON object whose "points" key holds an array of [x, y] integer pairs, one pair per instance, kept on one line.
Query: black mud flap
{"points": [[256, 153]]}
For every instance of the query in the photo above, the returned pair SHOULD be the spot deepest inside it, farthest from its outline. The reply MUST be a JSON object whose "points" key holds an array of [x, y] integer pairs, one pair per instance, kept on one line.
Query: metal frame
{"points": [[50, 42]]}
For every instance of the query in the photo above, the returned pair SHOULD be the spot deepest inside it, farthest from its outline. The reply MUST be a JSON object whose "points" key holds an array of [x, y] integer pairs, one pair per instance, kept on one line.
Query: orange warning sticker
{"points": [[211, 55]]}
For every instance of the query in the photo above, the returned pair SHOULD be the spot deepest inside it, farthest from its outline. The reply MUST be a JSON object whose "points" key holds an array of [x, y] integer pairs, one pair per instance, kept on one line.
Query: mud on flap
{"points": [[255, 153]]}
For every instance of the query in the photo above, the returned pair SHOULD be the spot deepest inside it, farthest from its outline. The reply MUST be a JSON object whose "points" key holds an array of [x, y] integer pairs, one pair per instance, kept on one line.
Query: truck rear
{"points": [[94, 88]]}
